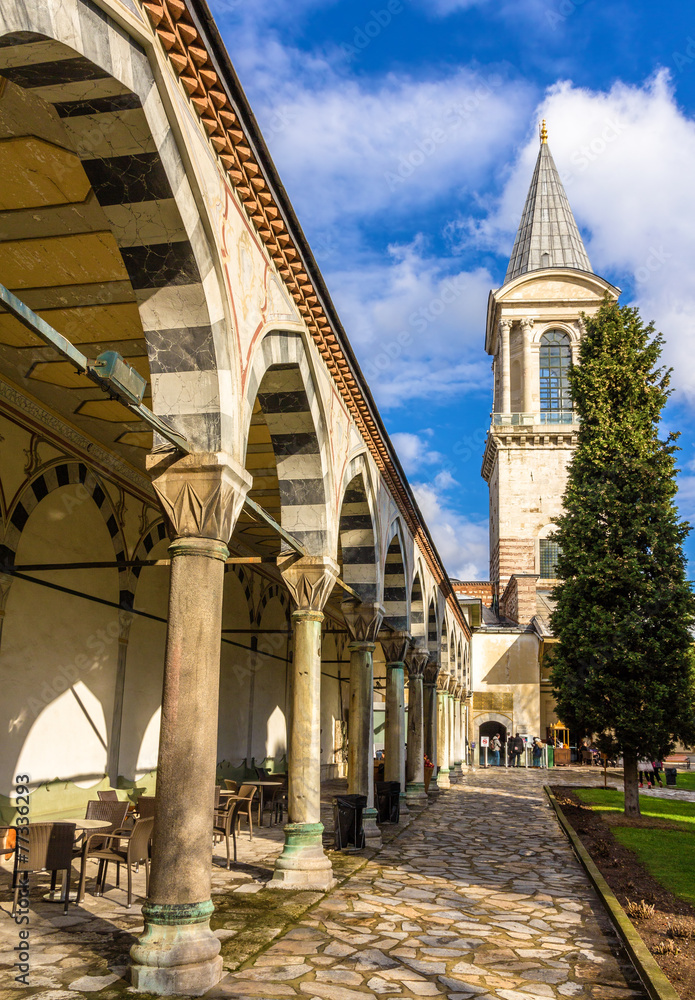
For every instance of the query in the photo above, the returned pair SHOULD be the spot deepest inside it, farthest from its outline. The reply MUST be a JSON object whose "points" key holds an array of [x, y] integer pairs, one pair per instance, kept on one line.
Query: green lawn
{"points": [[604, 800], [685, 780], [666, 854]]}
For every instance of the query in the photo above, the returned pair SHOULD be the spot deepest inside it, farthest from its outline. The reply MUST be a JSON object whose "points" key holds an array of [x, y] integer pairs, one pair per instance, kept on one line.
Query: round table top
{"points": [[88, 824]]}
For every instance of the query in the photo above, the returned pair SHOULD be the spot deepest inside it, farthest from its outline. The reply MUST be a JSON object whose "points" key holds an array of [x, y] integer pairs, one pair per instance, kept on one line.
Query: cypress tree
{"points": [[623, 669]]}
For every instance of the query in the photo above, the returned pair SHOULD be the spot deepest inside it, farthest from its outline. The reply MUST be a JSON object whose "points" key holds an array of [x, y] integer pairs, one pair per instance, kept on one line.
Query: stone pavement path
{"points": [[481, 897]]}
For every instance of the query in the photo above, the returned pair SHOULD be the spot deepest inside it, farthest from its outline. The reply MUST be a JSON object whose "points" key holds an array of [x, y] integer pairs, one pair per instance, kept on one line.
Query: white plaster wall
{"points": [[507, 662], [144, 677], [59, 652]]}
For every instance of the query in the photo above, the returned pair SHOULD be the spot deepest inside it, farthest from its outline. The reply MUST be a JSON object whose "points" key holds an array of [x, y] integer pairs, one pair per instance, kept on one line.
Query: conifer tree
{"points": [[622, 669]]}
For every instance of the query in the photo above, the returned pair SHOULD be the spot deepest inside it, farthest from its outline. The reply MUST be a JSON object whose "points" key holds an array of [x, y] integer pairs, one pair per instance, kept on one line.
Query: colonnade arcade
{"points": [[168, 609]]}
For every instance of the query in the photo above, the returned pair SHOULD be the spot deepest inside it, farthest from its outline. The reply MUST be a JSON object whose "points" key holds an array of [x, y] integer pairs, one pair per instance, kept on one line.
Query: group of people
{"points": [[515, 748], [649, 770]]}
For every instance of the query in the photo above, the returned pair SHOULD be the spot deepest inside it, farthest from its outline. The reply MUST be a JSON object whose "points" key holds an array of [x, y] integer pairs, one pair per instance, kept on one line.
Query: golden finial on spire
{"points": [[544, 133]]}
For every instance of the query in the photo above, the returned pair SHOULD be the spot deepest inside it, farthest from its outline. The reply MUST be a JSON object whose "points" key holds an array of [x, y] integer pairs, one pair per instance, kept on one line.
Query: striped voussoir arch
{"points": [[281, 380], [395, 592], [240, 573], [417, 612], [432, 632], [271, 592], [446, 664], [88, 487], [100, 85], [358, 540], [454, 661]]}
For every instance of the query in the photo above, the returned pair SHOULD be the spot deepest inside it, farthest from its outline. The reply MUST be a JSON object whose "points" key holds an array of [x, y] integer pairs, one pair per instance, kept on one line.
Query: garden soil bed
{"points": [[629, 880]]}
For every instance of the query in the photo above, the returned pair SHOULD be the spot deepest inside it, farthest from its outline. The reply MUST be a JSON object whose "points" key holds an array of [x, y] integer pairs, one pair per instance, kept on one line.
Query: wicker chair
{"points": [[146, 806], [276, 802], [108, 795], [135, 851], [247, 793], [231, 786], [225, 822], [44, 847]]}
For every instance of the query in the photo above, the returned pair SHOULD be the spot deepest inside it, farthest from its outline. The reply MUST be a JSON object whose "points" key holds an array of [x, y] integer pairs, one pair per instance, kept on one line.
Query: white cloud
{"points": [[462, 542], [417, 330], [414, 452], [625, 156]]}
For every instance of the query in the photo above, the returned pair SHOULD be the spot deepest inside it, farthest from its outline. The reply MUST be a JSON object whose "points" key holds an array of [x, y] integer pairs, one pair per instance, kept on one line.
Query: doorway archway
{"points": [[490, 729]]}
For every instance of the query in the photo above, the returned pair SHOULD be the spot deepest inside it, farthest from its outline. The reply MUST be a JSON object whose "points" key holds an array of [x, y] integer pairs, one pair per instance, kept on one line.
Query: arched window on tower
{"points": [[554, 361]]}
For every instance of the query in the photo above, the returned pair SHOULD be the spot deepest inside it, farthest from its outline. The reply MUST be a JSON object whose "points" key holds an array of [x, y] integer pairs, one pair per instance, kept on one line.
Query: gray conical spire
{"points": [[548, 235]]}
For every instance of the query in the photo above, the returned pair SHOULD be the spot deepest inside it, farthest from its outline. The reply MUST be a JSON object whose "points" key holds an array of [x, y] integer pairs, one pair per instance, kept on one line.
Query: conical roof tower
{"points": [[548, 235]]}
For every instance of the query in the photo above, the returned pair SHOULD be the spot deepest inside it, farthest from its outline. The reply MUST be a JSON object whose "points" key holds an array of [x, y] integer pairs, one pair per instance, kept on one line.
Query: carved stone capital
{"points": [[395, 646], [201, 495], [443, 682], [432, 669], [453, 686], [309, 579], [527, 324], [581, 326], [363, 620], [125, 620], [505, 325], [416, 660]]}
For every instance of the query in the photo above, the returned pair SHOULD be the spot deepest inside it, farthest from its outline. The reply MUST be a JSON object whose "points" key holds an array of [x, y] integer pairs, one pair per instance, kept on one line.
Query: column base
{"points": [[177, 953], [415, 794], [303, 864], [443, 779], [455, 772], [372, 833]]}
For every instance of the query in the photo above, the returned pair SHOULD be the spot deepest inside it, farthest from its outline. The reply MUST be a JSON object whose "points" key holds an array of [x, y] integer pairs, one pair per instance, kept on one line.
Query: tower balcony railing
{"points": [[546, 417]]}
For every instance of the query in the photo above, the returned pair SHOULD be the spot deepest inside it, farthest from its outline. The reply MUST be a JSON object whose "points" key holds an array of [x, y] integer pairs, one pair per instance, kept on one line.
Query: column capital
{"points": [[395, 646], [505, 325], [363, 619], [416, 660], [527, 323], [201, 495], [432, 670], [309, 579]]}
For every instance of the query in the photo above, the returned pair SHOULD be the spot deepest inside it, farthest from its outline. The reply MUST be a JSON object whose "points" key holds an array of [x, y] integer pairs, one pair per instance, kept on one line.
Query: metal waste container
{"points": [[671, 773], [347, 819], [388, 801]]}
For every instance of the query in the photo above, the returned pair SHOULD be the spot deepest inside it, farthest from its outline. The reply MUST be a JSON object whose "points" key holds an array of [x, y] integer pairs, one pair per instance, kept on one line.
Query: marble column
{"points": [[458, 730], [125, 620], [443, 727], [452, 727], [201, 496], [415, 793], [303, 863], [395, 646], [429, 681], [363, 621], [505, 356], [530, 371]]}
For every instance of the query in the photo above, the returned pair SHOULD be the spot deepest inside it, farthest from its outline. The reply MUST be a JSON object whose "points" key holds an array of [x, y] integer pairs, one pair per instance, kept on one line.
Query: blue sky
{"points": [[405, 132]]}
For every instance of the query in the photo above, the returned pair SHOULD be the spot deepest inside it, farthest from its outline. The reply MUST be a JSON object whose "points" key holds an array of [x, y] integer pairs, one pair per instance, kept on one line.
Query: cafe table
{"points": [[82, 826]]}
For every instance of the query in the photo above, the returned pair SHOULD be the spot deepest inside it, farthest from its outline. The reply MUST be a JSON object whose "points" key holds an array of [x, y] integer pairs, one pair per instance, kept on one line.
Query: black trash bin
{"points": [[347, 819], [671, 773], [388, 801]]}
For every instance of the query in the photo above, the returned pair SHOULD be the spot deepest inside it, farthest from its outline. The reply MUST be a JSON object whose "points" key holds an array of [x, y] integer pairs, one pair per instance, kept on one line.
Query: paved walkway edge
{"points": [[653, 979]]}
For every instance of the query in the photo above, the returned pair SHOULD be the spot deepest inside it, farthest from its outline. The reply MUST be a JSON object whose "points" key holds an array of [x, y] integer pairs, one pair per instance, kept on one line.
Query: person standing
{"points": [[517, 748], [537, 752], [495, 747], [645, 770], [657, 768]]}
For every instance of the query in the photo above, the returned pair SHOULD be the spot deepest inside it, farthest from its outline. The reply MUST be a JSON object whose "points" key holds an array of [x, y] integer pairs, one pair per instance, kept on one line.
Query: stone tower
{"points": [[534, 327]]}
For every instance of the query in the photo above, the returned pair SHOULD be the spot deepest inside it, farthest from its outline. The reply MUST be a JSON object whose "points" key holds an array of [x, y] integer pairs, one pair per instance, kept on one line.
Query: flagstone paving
{"points": [[481, 897]]}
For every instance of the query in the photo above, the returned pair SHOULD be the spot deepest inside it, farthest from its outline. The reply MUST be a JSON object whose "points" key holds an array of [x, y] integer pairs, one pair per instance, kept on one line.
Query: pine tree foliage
{"points": [[622, 668]]}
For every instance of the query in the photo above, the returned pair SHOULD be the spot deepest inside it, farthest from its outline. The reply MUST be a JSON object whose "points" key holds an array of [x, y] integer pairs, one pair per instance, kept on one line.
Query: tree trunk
{"points": [[630, 785]]}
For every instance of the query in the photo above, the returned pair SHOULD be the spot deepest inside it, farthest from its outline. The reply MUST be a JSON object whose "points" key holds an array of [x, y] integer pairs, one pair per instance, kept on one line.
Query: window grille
{"points": [[549, 552], [554, 361]]}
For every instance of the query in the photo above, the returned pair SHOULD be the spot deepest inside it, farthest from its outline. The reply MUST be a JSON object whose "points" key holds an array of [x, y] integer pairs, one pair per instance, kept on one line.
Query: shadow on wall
{"points": [[518, 664]]}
